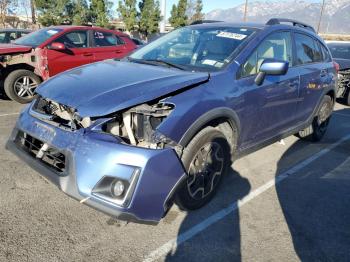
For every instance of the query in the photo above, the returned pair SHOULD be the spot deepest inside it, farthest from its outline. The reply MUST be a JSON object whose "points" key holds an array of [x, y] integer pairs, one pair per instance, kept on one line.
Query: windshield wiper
{"points": [[156, 62], [166, 63]]}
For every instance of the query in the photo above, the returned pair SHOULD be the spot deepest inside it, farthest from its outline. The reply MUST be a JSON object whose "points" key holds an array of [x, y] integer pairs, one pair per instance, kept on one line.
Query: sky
{"points": [[210, 5]]}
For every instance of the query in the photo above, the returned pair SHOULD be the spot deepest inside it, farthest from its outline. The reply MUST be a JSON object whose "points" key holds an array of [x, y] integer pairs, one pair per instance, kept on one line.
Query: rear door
{"points": [[78, 52], [107, 45], [274, 103], [315, 68]]}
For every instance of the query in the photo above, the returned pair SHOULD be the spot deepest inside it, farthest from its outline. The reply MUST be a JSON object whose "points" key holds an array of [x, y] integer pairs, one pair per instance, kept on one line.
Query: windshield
{"points": [[36, 38], [340, 51], [207, 49]]}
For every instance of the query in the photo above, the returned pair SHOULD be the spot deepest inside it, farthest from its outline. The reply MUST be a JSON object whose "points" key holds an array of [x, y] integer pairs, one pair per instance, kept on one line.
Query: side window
{"points": [[277, 45], [318, 52], [105, 39], [12, 36], [24, 33], [120, 41], [325, 53], [75, 39], [2, 37], [307, 51]]}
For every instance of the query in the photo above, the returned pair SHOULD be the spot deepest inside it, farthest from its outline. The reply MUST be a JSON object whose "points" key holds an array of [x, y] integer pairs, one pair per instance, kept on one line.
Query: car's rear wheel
{"points": [[318, 128], [20, 85], [206, 159]]}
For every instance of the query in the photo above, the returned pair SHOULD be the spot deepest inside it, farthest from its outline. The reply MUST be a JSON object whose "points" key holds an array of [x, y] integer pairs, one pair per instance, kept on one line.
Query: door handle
{"points": [[87, 54], [118, 51]]}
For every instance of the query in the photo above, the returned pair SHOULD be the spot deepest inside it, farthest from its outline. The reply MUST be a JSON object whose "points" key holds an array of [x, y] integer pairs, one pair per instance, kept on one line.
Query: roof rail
{"points": [[198, 22], [277, 21]]}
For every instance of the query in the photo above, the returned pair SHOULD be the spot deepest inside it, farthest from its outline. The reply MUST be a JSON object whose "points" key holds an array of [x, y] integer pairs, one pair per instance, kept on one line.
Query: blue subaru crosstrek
{"points": [[162, 126]]}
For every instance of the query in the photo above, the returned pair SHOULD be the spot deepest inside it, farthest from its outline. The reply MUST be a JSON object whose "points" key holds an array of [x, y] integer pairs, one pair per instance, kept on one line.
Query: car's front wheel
{"points": [[20, 85], [206, 159], [318, 128]]}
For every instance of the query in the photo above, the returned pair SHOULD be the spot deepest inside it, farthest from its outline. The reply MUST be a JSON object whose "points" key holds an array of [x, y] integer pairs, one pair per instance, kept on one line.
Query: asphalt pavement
{"points": [[287, 202]]}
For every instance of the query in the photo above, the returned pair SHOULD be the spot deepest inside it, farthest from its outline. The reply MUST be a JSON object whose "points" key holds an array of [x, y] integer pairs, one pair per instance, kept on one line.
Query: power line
{"points": [[245, 11], [321, 14]]}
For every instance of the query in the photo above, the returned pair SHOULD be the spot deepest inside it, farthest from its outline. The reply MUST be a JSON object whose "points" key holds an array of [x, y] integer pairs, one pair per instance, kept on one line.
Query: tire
{"points": [[205, 168], [318, 128], [20, 85]]}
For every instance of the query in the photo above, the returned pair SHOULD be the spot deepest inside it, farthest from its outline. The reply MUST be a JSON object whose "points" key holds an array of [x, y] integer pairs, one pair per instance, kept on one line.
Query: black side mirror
{"points": [[271, 67]]}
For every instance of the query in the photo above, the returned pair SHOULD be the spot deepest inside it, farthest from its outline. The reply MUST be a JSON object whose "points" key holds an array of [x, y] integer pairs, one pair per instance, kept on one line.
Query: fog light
{"points": [[118, 188]]}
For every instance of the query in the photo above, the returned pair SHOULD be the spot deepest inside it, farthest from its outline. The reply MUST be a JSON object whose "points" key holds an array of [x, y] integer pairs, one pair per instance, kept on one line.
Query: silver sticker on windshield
{"points": [[231, 35]]}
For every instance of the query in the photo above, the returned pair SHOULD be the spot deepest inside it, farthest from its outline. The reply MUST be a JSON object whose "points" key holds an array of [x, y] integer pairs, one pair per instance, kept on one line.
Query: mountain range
{"points": [[335, 19]]}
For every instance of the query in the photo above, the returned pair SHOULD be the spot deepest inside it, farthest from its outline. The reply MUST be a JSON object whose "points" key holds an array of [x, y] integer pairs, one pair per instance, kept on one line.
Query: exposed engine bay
{"points": [[343, 83], [136, 126]]}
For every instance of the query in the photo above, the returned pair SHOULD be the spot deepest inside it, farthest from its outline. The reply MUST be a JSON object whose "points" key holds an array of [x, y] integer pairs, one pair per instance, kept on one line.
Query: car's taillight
{"points": [[336, 66]]}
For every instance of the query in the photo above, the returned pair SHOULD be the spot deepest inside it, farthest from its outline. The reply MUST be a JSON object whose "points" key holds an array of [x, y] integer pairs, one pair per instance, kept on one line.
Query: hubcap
{"points": [[25, 86], [205, 170]]}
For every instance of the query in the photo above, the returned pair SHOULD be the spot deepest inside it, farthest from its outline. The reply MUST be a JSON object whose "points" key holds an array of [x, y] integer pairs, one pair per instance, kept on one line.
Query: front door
{"points": [[78, 52], [274, 103]]}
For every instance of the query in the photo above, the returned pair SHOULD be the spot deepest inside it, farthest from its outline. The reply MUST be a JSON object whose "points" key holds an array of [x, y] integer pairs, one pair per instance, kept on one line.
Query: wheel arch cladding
{"points": [[215, 117]]}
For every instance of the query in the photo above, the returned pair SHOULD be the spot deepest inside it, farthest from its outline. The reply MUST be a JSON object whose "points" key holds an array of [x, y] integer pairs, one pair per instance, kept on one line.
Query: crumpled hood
{"points": [[12, 48], [106, 87]]}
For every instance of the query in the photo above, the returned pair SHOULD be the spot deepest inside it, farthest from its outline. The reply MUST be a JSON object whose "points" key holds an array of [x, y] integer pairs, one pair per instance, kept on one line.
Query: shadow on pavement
{"points": [[222, 241], [315, 202]]}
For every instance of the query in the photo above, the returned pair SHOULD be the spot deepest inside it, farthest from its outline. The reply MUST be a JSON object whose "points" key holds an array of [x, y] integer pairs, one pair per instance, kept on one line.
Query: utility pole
{"points": [[321, 14], [163, 15], [245, 11]]}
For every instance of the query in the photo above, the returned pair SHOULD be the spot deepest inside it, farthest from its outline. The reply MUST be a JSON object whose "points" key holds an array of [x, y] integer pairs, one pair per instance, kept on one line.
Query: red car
{"points": [[29, 60]]}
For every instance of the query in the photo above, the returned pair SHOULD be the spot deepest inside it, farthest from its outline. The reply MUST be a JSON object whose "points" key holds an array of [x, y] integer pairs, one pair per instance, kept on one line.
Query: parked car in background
{"points": [[8, 35], [341, 54], [138, 42], [29, 60], [131, 137]]}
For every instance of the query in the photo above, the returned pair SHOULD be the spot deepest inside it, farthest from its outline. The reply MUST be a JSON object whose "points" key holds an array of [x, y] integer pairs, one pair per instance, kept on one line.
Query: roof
{"points": [[227, 24], [276, 22]]}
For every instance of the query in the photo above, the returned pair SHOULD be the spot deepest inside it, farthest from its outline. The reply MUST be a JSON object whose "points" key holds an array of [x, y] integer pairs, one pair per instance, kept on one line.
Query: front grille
{"points": [[50, 157]]}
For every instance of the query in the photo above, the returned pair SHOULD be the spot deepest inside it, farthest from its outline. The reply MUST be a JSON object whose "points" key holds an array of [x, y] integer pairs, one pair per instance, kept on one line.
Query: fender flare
{"points": [[220, 112]]}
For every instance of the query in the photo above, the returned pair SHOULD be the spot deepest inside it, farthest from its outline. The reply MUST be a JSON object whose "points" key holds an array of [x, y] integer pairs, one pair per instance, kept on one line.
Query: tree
{"points": [[32, 9], [83, 14], [178, 16], [149, 17], [128, 13], [99, 12], [55, 12], [198, 15], [6, 7]]}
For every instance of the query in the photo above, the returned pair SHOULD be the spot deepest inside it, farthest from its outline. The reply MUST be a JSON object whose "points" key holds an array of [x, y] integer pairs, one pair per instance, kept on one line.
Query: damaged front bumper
{"points": [[77, 162]]}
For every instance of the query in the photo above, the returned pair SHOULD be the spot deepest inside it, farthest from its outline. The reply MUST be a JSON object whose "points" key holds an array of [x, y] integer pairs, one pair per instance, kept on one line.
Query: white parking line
{"points": [[11, 114], [181, 238]]}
